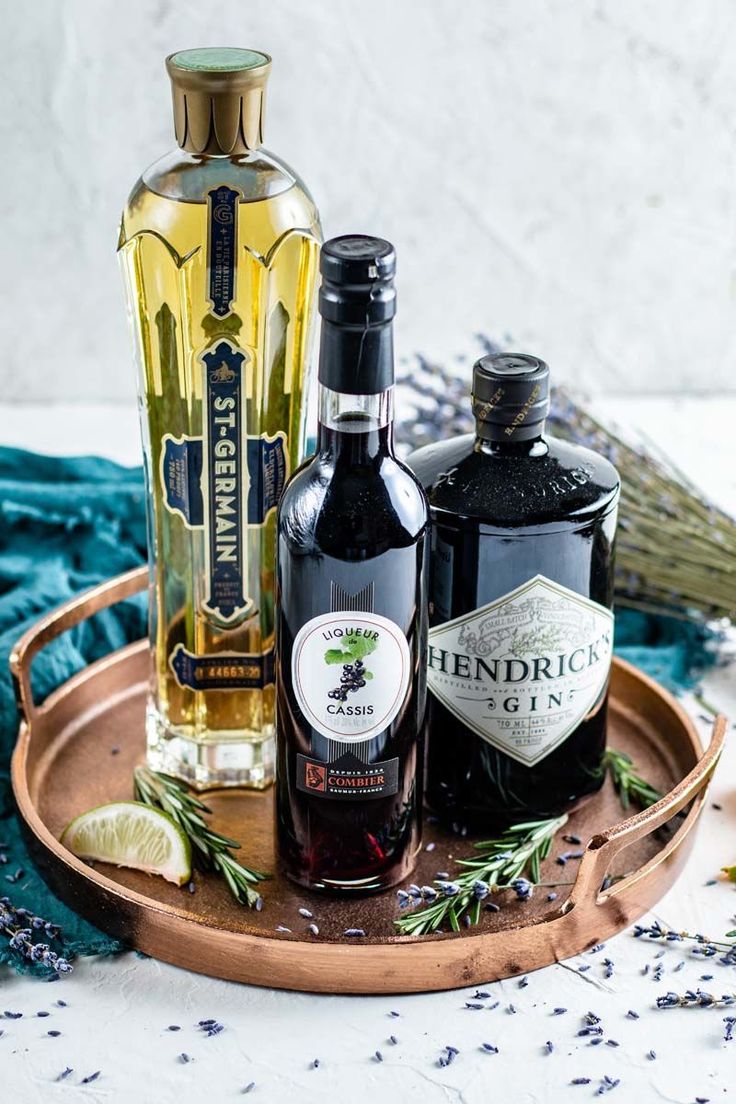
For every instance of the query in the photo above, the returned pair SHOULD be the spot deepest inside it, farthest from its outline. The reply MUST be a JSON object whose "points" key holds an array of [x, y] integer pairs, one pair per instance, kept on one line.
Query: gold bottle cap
{"points": [[218, 99]]}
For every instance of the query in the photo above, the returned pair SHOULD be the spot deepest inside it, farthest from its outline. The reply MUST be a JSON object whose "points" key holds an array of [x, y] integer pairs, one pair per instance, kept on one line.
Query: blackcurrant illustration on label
{"points": [[350, 655]]}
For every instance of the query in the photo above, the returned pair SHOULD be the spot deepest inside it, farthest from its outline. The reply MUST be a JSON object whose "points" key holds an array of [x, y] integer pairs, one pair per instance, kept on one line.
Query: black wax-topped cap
{"points": [[510, 395], [357, 280], [357, 301], [357, 259]]}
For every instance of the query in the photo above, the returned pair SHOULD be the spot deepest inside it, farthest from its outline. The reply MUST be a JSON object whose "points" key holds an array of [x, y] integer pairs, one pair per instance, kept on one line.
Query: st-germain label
{"points": [[222, 671], [225, 549], [347, 778], [523, 671], [222, 248]]}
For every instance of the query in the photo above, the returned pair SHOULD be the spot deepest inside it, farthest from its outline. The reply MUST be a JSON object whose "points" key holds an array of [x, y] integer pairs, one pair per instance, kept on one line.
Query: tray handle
{"points": [[58, 621], [604, 846]]}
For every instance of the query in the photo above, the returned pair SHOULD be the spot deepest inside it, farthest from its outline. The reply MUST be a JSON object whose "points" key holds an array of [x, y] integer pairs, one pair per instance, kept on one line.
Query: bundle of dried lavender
{"points": [[676, 551]]}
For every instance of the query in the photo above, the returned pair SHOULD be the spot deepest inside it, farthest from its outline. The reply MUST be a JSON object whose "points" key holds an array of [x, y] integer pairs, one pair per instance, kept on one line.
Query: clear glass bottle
{"points": [[521, 630], [352, 606], [219, 245]]}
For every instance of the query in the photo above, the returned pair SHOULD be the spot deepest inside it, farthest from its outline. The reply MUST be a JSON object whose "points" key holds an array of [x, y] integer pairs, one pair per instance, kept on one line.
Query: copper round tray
{"points": [[66, 761]]}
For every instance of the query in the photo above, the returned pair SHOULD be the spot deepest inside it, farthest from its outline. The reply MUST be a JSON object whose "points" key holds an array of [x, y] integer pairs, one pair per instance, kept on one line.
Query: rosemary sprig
{"points": [[629, 785], [212, 851], [499, 864]]}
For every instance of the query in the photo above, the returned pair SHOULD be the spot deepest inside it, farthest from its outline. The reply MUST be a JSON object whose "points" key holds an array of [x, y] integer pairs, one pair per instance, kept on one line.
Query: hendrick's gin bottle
{"points": [[352, 621], [520, 625]]}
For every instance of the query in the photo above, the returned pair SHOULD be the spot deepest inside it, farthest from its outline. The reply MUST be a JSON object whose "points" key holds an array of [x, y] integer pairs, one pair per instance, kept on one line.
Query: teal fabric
{"points": [[66, 524]]}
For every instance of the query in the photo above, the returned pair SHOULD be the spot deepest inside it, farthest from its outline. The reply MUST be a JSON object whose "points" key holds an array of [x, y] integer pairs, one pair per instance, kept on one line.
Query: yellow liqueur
{"points": [[219, 245]]}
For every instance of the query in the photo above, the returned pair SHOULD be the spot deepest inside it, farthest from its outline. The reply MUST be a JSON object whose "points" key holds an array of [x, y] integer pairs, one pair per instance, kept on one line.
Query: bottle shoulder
{"points": [[187, 177], [558, 483], [371, 505]]}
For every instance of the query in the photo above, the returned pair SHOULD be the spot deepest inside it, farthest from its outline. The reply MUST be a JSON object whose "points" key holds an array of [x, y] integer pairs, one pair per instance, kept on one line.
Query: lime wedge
{"points": [[129, 833]]}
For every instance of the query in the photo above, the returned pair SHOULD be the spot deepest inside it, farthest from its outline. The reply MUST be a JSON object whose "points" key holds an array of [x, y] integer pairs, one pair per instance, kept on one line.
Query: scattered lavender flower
{"points": [[90, 1078], [306, 913], [249, 1087], [351, 932], [489, 1048], [65, 1073]]}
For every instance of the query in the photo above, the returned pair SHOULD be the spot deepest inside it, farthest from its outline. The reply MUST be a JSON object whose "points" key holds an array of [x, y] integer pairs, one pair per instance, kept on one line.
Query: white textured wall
{"points": [[556, 170]]}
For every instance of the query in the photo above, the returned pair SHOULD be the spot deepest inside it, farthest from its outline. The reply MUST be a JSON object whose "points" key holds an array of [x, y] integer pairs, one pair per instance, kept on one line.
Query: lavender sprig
{"points": [[20, 927], [696, 998], [511, 862], [704, 947], [211, 851], [628, 784]]}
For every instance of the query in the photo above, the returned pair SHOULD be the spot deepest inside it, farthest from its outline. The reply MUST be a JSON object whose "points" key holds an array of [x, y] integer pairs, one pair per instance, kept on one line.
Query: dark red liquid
{"points": [[351, 516]]}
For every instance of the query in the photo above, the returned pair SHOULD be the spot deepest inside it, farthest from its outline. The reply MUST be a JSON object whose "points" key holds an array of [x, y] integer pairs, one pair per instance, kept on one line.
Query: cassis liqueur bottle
{"points": [[352, 566], [521, 587]]}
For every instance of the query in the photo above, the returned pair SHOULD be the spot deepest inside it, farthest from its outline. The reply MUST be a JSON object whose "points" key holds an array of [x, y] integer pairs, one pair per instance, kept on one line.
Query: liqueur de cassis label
{"points": [[350, 673], [523, 671], [347, 778]]}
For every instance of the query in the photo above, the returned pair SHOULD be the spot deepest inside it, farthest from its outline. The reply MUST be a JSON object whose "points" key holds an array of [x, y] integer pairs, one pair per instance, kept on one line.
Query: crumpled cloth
{"points": [[67, 524]]}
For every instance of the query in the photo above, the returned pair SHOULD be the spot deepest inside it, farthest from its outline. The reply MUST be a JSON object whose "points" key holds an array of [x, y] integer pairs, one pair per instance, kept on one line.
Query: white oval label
{"points": [[351, 673]]}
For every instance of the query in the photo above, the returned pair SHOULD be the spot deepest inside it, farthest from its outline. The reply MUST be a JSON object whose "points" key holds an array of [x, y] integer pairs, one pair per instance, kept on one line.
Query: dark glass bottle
{"points": [[521, 587], [352, 566]]}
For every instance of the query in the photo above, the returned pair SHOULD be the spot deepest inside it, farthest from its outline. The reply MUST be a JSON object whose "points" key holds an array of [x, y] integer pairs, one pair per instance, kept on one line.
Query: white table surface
{"points": [[118, 1010]]}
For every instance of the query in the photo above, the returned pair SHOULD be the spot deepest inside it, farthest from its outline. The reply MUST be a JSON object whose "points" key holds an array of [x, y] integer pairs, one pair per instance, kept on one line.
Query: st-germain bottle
{"points": [[352, 614], [521, 630], [219, 245]]}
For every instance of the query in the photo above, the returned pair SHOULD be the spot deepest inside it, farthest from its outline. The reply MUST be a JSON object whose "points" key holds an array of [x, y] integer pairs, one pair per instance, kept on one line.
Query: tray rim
{"points": [[309, 965]]}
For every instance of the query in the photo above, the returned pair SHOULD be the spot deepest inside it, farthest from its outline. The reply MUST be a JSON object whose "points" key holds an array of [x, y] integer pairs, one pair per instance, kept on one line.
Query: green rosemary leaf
{"points": [[211, 850], [627, 783], [499, 865]]}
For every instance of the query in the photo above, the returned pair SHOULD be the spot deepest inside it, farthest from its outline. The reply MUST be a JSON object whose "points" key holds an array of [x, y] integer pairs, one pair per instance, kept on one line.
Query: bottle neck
{"points": [[527, 440], [355, 429]]}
